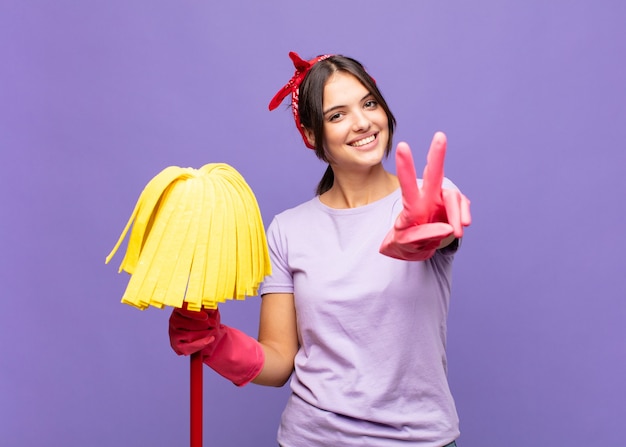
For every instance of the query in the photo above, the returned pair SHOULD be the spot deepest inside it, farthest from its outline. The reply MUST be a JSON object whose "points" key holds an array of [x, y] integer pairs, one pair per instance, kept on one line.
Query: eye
{"points": [[370, 104], [335, 117]]}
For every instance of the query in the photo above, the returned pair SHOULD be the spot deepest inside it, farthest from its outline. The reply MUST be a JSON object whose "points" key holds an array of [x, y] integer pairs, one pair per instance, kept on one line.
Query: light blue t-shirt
{"points": [[371, 367]]}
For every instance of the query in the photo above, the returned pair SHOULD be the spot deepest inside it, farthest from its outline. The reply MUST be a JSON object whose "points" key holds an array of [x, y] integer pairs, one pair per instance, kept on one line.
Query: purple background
{"points": [[96, 97]]}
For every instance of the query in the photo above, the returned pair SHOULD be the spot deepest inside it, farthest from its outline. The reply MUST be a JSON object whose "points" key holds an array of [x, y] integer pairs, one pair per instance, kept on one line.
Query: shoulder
{"points": [[302, 211], [295, 217]]}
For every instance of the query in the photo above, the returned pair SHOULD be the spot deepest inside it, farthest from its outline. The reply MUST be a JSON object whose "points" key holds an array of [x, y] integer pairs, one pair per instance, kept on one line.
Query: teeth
{"points": [[364, 141]]}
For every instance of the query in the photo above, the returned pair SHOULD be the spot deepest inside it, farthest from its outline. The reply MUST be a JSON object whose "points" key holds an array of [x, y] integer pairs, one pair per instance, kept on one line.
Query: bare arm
{"points": [[279, 338]]}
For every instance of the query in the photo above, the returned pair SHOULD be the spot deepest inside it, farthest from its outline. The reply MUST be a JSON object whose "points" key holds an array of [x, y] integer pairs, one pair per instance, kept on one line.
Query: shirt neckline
{"points": [[391, 197]]}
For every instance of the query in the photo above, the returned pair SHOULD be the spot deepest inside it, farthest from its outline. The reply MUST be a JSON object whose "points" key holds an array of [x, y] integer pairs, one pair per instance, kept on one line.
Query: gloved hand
{"points": [[228, 351], [430, 214]]}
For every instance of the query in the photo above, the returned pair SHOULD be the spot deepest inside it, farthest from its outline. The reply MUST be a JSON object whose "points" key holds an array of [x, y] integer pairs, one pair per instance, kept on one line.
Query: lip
{"points": [[361, 137]]}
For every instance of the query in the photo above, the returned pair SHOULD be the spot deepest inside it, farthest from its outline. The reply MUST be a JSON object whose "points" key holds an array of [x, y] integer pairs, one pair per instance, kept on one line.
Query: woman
{"points": [[357, 302]]}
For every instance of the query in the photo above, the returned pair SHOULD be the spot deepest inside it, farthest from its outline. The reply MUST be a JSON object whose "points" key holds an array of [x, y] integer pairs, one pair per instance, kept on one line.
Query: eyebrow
{"points": [[325, 112]]}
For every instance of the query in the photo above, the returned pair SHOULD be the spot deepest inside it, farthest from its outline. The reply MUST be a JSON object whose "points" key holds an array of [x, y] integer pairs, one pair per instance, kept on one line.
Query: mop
{"points": [[197, 240]]}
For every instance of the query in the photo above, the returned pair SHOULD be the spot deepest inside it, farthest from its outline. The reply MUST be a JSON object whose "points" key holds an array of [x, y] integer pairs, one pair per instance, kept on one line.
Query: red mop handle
{"points": [[195, 399]]}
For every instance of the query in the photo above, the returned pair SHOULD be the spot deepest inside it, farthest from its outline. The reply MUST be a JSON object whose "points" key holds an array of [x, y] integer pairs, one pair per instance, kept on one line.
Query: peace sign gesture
{"points": [[429, 214]]}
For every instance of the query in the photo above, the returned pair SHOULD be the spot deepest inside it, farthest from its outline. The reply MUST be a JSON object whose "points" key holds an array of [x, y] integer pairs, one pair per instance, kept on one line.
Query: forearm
{"points": [[277, 367], [278, 337]]}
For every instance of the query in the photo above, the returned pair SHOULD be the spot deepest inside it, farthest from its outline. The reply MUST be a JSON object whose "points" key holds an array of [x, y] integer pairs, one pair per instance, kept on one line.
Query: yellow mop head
{"points": [[197, 238]]}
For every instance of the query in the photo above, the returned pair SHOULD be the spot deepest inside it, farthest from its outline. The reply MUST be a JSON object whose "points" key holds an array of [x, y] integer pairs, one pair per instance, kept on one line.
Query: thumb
{"points": [[182, 347]]}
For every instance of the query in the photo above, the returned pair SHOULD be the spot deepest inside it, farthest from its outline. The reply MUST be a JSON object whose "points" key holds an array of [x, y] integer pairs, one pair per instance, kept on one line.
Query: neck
{"points": [[354, 189]]}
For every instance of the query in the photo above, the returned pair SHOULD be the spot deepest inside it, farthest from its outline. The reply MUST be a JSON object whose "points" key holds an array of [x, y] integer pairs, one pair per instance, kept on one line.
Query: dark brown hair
{"points": [[311, 111]]}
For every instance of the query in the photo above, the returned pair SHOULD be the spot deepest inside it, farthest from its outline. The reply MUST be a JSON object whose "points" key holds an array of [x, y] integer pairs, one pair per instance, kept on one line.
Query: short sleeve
{"points": [[281, 279]]}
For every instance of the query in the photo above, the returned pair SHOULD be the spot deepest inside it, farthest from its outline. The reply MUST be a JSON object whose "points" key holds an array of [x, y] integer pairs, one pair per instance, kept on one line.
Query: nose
{"points": [[361, 122]]}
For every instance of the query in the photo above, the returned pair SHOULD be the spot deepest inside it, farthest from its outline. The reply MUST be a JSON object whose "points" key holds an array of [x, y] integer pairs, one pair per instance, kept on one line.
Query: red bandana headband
{"points": [[293, 87]]}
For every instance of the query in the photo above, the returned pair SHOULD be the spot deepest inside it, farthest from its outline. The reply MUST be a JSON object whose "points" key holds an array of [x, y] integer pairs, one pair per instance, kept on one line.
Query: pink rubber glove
{"points": [[228, 351], [430, 214]]}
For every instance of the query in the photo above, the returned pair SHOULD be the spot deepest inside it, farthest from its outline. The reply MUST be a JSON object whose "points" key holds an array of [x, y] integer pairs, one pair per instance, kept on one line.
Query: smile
{"points": [[364, 141]]}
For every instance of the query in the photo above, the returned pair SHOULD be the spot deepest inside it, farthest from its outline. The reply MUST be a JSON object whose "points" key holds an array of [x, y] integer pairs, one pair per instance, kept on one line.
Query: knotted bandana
{"points": [[293, 87]]}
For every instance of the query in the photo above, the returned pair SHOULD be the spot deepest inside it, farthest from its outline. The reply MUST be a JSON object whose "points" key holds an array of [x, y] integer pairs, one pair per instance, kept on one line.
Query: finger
{"points": [[466, 216], [433, 172], [184, 336], [213, 317], [425, 235], [191, 314], [416, 243], [189, 321], [199, 345], [188, 348], [452, 204], [189, 325], [407, 177]]}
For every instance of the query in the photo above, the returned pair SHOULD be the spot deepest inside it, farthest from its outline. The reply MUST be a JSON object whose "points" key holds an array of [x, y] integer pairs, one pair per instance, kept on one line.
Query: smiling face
{"points": [[356, 127]]}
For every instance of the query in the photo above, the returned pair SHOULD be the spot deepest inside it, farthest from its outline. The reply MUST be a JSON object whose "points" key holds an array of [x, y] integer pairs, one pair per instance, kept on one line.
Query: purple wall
{"points": [[97, 97]]}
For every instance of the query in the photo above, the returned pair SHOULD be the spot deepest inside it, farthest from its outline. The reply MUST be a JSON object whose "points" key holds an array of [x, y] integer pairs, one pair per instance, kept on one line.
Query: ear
{"points": [[309, 135]]}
